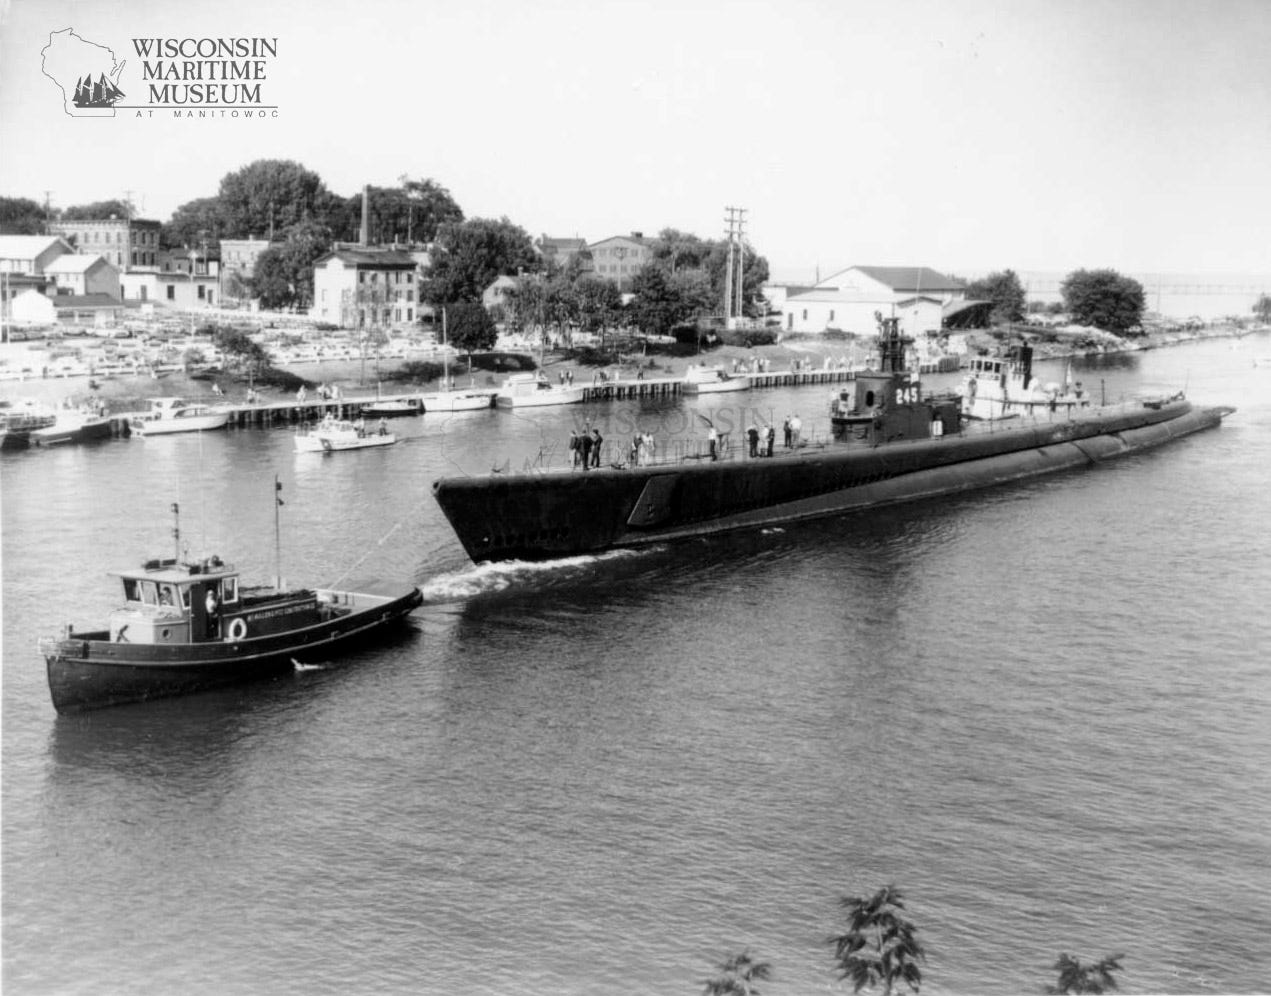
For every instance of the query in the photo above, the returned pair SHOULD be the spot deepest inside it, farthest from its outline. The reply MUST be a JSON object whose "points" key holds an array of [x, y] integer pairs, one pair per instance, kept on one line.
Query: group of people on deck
{"points": [[584, 448]]}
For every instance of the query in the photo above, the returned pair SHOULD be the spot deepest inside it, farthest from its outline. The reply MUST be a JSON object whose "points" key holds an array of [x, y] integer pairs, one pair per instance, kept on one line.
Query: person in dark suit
{"points": [[596, 440], [584, 442]]}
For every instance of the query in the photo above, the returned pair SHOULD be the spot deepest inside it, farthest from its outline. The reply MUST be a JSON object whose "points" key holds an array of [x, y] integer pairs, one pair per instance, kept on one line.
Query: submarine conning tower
{"points": [[891, 345], [889, 404]]}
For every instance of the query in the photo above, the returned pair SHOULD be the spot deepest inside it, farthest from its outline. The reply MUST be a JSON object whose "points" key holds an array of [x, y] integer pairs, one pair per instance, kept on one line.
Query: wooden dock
{"points": [[294, 410], [658, 387]]}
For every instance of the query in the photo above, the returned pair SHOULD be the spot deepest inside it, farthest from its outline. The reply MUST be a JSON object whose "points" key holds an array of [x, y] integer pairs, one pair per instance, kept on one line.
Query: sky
{"points": [[964, 135]]}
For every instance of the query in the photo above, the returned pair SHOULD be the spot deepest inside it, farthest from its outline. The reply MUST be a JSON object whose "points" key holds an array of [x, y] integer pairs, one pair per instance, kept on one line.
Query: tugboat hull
{"points": [[88, 671], [543, 516]]}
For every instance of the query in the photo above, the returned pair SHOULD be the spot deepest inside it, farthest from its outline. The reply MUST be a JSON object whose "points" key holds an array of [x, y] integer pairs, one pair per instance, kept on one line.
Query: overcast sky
{"points": [[961, 135]]}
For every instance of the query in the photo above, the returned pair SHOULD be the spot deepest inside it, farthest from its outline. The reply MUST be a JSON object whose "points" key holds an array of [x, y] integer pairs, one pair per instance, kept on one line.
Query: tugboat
{"points": [[895, 444], [188, 625], [1004, 386]]}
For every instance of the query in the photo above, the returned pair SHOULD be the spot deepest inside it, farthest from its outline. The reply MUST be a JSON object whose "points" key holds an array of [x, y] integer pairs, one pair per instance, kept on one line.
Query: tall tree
{"points": [[1005, 291], [430, 207], [1263, 308], [193, 222], [411, 212], [469, 326], [599, 304], [21, 216], [267, 196], [1077, 978], [738, 975], [97, 210], [681, 252], [283, 276], [661, 301], [470, 254], [879, 947], [1104, 299]]}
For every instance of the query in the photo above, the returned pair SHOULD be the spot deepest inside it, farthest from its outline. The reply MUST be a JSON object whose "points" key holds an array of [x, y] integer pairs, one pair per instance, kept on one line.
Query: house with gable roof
{"points": [[619, 257], [81, 274], [562, 252], [850, 300]]}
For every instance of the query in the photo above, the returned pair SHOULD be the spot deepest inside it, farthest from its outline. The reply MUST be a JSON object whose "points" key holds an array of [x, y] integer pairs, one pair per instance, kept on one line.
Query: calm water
{"points": [[1044, 711]]}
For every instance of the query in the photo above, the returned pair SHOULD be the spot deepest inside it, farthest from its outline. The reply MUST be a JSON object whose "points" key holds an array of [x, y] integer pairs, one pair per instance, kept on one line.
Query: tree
{"points": [[738, 975], [879, 946], [97, 210], [662, 302], [21, 216], [1075, 977], [598, 303], [681, 253], [430, 207], [240, 351], [470, 254], [283, 276], [1263, 308], [266, 196], [469, 327], [1005, 291], [193, 222], [1104, 299]]}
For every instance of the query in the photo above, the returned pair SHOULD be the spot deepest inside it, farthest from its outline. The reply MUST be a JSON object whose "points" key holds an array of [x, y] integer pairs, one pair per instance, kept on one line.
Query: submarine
{"points": [[893, 443]]}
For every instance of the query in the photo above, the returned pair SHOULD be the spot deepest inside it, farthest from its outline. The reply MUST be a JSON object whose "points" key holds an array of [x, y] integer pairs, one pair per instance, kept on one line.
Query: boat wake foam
{"points": [[299, 666], [485, 579]]}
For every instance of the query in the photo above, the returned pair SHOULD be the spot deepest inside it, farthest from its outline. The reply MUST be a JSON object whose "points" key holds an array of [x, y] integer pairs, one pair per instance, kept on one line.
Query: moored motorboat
{"points": [[188, 625], [333, 434], [17, 422], [895, 444], [713, 380], [73, 427], [169, 415], [524, 390], [450, 399], [392, 408]]}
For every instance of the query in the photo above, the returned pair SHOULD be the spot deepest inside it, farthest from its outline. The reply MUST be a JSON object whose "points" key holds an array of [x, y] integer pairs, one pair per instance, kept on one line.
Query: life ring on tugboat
{"points": [[237, 629]]}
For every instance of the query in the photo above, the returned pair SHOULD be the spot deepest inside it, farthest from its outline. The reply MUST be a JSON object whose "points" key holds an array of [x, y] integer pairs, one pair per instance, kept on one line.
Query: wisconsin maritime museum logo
{"points": [[180, 77]]}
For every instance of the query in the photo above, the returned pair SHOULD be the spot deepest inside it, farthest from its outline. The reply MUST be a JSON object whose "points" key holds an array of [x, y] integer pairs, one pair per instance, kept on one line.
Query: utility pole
{"points": [[732, 298], [47, 219]]}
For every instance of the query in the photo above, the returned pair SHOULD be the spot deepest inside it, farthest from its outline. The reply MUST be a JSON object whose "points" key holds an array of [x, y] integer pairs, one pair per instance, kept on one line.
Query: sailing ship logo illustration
{"points": [[87, 74], [101, 92]]}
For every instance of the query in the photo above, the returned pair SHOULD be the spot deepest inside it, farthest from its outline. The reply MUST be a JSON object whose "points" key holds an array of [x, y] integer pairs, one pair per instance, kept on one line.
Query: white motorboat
{"points": [[333, 434], [712, 380], [462, 400], [168, 415], [525, 390]]}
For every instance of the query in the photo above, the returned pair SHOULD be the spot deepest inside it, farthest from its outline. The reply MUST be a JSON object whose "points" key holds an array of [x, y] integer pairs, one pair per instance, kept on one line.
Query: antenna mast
{"points": [[277, 536]]}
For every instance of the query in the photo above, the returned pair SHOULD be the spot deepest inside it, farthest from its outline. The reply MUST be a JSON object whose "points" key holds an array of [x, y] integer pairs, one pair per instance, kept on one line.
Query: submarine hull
{"points": [[544, 516]]}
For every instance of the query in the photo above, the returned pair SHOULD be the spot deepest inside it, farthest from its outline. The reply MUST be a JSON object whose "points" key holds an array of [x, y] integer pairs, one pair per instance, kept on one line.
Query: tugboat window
{"points": [[229, 590], [869, 399], [131, 592], [149, 593]]}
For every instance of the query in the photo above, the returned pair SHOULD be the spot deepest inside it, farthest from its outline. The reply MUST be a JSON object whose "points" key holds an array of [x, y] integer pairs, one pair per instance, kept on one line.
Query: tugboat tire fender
{"points": [[237, 629]]}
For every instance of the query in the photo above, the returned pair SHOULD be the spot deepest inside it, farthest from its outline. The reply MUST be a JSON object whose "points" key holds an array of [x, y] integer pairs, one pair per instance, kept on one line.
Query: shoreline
{"points": [[123, 393]]}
